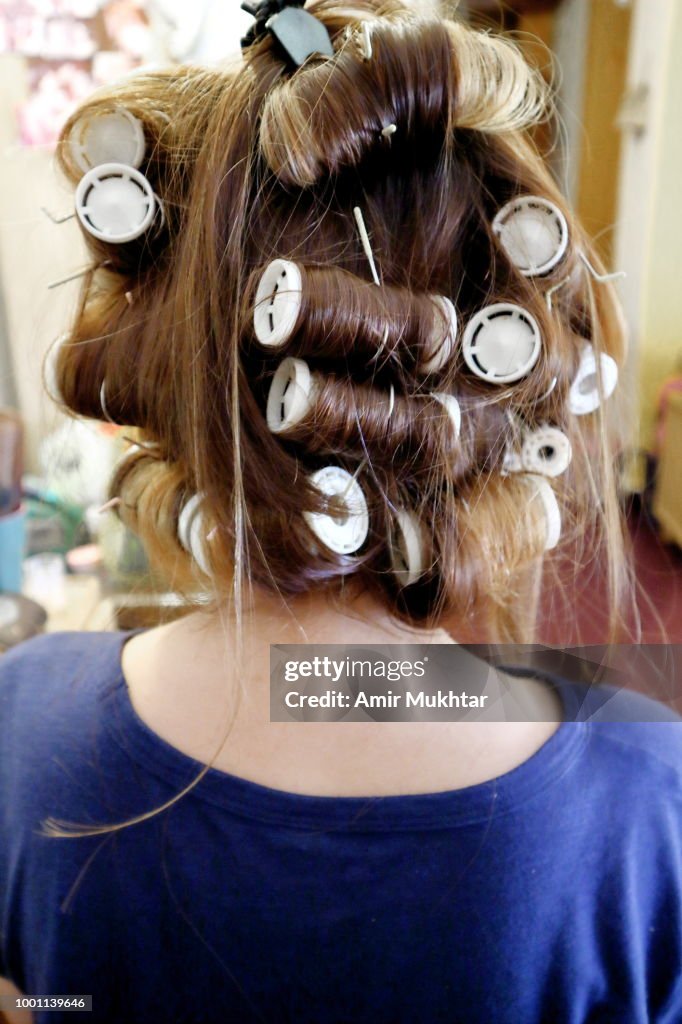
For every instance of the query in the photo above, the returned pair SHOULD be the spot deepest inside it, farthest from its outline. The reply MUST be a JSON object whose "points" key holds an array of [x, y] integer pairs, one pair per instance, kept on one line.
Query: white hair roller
{"points": [[290, 396], [346, 533], [584, 395], [278, 303], [408, 547], [115, 203], [546, 451], [501, 343], [116, 137], [452, 407], [445, 345], [50, 369], [534, 234], [192, 532], [542, 489]]}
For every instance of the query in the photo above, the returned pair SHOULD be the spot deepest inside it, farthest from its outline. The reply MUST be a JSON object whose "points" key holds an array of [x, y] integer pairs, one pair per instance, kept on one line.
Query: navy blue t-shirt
{"points": [[550, 895]]}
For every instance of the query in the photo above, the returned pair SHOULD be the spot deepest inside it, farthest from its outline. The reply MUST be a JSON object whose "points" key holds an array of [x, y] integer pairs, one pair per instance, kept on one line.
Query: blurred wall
{"points": [[661, 330], [33, 252], [569, 43], [8, 391], [648, 243], [599, 144]]}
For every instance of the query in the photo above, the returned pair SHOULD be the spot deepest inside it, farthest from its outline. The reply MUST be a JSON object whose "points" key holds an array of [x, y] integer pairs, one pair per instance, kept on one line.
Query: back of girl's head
{"points": [[418, 130]]}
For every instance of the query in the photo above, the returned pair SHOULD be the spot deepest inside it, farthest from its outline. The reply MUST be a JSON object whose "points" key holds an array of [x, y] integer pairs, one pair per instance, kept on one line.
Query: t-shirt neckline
{"points": [[443, 809]]}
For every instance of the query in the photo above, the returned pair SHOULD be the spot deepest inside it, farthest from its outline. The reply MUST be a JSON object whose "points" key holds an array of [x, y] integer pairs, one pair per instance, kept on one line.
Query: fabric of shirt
{"points": [[549, 895]]}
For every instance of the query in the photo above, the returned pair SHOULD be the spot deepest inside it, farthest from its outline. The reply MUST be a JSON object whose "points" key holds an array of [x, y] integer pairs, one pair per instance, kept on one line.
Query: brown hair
{"points": [[254, 162]]}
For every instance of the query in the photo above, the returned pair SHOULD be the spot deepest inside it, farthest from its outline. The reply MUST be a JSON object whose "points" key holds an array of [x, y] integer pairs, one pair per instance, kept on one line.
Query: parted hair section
{"points": [[356, 325]]}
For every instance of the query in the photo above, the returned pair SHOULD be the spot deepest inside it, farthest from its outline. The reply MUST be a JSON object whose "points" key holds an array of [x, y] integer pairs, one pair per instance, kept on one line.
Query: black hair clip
{"points": [[298, 33]]}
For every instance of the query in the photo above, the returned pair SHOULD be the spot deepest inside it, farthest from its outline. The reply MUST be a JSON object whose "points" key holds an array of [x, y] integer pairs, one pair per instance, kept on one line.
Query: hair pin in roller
{"points": [[545, 451], [408, 547], [534, 234], [501, 343], [366, 244], [112, 503], [298, 34], [586, 394], [192, 532], [115, 137], [601, 278], [347, 532], [57, 218], [593, 272], [278, 303], [147, 446], [116, 203], [77, 274]]}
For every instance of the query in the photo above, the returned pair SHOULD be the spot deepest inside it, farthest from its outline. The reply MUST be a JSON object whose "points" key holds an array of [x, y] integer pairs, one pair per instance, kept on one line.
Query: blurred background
{"points": [[616, 152]]}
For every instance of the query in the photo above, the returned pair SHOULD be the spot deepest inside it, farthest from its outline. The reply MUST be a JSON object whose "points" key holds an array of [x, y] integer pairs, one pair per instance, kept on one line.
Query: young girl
{"points": [[364, 346]]}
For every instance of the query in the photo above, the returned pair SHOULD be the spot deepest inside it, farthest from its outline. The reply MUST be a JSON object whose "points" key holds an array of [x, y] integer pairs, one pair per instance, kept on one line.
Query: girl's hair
{"points": [[256, 162]]}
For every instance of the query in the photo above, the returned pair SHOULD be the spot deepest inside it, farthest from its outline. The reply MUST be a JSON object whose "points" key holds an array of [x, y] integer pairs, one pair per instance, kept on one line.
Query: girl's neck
{"points": [[350, 616]]}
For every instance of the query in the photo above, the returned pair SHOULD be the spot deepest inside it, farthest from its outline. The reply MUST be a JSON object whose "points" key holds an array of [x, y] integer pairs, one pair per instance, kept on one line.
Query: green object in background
{"points": [[52, 524]]}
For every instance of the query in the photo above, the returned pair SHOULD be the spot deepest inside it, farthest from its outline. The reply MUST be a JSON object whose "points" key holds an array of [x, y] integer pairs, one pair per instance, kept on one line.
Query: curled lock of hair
{"points": [[414, 435], [98, 365], [331, 114], [345, 318], [499, 540], [181, 362], [172, 121]]}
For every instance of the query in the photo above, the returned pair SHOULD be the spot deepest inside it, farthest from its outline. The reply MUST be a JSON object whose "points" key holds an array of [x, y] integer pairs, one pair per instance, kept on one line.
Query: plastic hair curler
{"points": [[347, 532], [447, 344], [408, 547], [501, 343], [290, 396], [452, 407], [418, 328], [192, 532], [117, 137], [534, 234], [116, 203], [278, 303], [543, 490], [546, 451], [50, 369], [584, 395]]}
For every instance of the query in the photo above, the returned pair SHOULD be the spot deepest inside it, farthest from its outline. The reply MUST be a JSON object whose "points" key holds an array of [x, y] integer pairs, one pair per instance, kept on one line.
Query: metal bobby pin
{"points": [[364, 238]]}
